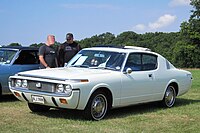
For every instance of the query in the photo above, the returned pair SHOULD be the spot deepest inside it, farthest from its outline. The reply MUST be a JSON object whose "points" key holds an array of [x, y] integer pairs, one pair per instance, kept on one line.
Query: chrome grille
{"points": [[41, 86]]}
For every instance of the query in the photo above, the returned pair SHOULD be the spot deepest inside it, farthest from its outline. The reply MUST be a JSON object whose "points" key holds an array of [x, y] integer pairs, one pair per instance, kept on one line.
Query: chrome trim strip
{"points": [[27, 75], [42, 93]]}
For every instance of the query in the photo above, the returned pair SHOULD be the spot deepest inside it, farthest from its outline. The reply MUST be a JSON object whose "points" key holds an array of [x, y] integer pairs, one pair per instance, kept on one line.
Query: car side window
{"points": [[141, 62], [27, 57], [149, 62], [134, 62]]}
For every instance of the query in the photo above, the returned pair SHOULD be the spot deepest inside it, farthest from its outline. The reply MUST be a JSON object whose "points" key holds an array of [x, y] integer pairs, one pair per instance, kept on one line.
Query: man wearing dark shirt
{"points": [[67, 50], [47, 54]]}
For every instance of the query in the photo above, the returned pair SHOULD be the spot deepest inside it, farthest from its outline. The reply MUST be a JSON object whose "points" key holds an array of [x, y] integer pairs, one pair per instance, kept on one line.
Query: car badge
{"points": [[38, 85]]}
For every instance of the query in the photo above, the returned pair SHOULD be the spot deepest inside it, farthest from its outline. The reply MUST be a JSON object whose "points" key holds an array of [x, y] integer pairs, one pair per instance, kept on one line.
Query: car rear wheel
{"points": [[37, 107], [169, 97], [97, 106]]}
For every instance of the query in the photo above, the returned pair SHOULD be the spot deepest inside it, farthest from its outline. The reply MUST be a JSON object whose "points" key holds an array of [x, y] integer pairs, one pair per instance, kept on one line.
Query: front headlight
{"points": [[11, 83], [62, 88], [59, 88], [24, 83], [18, 83], [68, 89]]}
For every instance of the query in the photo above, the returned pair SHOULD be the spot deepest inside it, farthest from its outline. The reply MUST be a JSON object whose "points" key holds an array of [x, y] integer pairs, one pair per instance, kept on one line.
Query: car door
{"points": [[139, 85], [27, 60]]}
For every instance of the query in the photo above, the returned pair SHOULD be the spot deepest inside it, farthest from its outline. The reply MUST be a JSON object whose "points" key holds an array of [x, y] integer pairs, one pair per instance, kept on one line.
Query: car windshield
{"points": [[6, 56], [98, 60]]}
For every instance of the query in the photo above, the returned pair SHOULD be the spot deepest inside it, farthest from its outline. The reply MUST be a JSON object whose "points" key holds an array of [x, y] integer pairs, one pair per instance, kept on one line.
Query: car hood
{"points": [[65, 73]]}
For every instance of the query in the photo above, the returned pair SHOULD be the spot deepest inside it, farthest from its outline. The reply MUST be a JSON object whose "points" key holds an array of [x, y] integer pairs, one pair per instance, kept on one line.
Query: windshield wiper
{"points": [[107, 68], [84, 66]]}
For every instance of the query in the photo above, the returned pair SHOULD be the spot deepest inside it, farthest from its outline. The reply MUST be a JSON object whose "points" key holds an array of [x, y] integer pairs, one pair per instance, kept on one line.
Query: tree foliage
{"points": [[102, 39], [14, 44], [187, 50]]}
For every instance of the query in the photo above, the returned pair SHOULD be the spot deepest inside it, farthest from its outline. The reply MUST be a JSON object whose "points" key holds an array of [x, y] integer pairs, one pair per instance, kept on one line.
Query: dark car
{"points": [[14, 60]]}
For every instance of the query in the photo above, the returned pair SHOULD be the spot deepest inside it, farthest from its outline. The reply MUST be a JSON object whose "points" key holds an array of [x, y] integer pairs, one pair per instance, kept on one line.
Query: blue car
{"points": [[14, 60]]}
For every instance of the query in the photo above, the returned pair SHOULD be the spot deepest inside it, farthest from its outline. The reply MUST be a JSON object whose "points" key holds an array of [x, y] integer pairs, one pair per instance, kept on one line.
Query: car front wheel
{"points": [[169, 97], [97, 106], [38, 108]]}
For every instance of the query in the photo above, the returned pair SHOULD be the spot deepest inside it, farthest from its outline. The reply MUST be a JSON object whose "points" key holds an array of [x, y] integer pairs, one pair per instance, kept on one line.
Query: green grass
{"points": [[148, 118]]}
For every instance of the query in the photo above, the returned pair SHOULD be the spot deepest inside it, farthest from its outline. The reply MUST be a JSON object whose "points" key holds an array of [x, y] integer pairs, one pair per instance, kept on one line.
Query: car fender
{"points": [[82, 104], [100, 85], [170, 82]]}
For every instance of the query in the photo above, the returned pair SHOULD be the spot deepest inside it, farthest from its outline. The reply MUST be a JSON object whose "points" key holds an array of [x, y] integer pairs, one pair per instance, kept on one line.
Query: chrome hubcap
{"points": [[170, 96], [99, 106]]}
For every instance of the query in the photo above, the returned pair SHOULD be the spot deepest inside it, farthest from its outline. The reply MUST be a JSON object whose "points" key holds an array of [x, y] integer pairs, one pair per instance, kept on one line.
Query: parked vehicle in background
{"points": [[101, 78], [14, 60]]}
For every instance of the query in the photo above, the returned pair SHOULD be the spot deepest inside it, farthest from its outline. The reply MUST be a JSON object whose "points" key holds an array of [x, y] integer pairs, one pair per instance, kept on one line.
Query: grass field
{"points": [[147, 118]]}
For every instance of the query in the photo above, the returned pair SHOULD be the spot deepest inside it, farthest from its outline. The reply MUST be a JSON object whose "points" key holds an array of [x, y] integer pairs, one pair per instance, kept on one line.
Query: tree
{"points": [[189, 46], [102, 39], [107, 38], [37, 45], [14, 44], [127, 38]]}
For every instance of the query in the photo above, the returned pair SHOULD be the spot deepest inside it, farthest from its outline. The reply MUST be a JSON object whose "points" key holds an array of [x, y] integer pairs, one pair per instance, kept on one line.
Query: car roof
{"points": [[124, 49], [19, 48]]}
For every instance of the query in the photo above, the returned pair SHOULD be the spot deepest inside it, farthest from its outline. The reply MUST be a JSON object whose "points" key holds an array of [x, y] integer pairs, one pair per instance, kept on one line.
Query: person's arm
{"points": [[56, 61], [60, 57], [41, 56], [78, 47], [42, 61]]}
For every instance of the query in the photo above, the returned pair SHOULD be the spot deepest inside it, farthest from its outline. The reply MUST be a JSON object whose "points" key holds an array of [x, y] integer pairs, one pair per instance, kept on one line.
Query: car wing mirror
{"points": [[128, 71], [65, 65]]}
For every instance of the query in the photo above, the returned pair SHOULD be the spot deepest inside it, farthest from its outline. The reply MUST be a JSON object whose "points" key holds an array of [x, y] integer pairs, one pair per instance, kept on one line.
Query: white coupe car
{"points": [[101, 78]]}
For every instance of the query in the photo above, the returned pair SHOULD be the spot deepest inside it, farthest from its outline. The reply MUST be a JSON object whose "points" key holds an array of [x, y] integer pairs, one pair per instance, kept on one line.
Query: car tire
{"points": [[169, 97], [37, 107], [97, 106]]}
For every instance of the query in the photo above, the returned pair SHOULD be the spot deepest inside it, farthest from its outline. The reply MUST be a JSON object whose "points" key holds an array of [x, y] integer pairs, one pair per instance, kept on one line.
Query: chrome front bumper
{"points": [[50, 99]]}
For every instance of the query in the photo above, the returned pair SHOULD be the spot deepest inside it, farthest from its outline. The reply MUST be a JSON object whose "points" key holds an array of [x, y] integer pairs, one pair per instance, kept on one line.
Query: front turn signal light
{"points": [[63, 101], [17, 94]]}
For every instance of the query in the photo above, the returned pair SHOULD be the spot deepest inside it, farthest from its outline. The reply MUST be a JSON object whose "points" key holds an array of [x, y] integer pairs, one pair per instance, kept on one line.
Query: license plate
{"points": [[38, 99]]}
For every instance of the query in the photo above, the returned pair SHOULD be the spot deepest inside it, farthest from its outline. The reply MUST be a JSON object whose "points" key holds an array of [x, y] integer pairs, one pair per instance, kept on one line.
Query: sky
{"points": [[30, 21]]}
